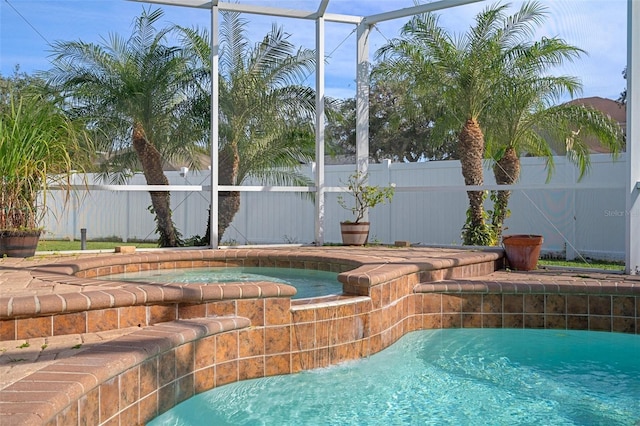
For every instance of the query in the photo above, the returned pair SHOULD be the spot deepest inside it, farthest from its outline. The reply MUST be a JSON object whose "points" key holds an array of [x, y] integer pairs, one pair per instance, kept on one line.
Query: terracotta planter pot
{"points": [[354, 234], [19, 245], [522, 251]]}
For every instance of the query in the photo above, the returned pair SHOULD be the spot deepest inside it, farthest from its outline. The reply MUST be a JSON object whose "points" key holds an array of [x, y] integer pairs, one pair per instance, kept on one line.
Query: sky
{"points": [[28, 27]]}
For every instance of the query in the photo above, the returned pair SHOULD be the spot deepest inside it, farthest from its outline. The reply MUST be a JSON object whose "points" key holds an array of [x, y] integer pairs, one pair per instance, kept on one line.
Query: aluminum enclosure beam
{"points": [[362, 101], [632, 211], [322, 8], [320, 117], [262, 10], [214, 136], [198, 4], [415, 10]]}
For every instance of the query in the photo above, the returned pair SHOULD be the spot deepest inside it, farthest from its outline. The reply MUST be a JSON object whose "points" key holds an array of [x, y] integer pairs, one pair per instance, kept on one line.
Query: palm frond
{"points": [[233, 42]]}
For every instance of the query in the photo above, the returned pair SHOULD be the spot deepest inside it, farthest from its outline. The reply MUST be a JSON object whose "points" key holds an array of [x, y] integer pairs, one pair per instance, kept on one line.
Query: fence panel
{"points": [[584, 217]]}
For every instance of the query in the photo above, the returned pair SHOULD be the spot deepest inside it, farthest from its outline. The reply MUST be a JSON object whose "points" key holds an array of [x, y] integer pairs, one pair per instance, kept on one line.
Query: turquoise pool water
{"points": [[445, 377], [308, 282]]}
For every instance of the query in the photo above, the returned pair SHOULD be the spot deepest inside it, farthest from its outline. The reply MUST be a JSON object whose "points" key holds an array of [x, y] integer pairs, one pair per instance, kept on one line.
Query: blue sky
{"points": [[597, 26]]}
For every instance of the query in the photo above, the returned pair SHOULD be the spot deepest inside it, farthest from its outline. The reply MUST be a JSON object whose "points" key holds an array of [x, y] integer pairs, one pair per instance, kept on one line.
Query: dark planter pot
{"points": [[18, 243], [354, 234], [522, 251]]}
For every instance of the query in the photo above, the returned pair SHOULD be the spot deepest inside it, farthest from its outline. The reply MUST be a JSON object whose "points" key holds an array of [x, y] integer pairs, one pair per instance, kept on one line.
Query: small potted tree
{"points": [[39, 148], [364, 197]]}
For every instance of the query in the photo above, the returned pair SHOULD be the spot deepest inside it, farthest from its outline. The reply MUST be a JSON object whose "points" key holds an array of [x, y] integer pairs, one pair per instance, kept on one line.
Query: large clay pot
{"points": [[354, 234], [522, 251], [20, 244]]}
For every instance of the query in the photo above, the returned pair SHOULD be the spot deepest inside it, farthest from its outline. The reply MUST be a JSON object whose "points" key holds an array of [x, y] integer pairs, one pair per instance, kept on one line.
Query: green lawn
{"points": [[64, 245], [596, 264]]}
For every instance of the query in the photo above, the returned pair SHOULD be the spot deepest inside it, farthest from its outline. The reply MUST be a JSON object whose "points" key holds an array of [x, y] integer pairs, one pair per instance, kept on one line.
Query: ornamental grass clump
{"points": [[40, 147]]}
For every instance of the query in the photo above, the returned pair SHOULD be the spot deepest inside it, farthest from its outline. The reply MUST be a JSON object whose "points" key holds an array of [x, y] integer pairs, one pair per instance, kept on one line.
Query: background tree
{"points": [[266, 114], [400, 126], [18, 84], [469, 68], [134, 93], [340, 133], [623, 95]]}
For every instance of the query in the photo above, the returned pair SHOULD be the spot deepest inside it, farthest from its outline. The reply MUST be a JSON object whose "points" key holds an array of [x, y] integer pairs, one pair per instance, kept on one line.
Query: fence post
{"points": [[83, 238], [128, 217]]}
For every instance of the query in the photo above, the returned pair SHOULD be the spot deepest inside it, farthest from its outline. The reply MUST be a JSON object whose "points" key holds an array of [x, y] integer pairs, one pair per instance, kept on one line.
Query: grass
{"points": [[64, 245], [595, 264]]}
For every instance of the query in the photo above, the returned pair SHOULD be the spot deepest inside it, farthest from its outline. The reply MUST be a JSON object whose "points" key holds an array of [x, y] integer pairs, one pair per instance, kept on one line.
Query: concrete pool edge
{"points": [[285, 336]]}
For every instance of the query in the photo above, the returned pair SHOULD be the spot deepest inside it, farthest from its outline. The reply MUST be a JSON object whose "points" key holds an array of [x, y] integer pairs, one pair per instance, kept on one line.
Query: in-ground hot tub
{"points": [[307, 282]]}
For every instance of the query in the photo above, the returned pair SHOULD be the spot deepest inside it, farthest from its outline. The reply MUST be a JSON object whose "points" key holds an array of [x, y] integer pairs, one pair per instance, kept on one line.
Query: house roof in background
{"points": [[613, 109]]}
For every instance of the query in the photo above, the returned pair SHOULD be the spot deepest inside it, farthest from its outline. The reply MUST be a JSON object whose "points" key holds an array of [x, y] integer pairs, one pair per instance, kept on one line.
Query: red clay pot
{"points": [[522, 251]]}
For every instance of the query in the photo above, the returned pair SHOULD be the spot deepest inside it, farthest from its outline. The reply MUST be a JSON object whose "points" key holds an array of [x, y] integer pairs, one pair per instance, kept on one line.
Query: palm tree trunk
{"points": [[151, 161], [228, 201], [471, 146], [507, 172]]}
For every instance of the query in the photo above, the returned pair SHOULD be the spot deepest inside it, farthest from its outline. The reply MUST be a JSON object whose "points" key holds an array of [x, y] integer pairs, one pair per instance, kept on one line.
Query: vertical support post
{"points": [[215, 45], [128, 222], [386, 181], [320, 117], [362, 101], [570, 246], [632, 238], [83, 238]]}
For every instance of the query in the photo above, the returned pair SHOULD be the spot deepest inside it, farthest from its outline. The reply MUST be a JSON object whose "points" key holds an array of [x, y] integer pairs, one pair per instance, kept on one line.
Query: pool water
{"points": [[308, 282], [445, 377]]}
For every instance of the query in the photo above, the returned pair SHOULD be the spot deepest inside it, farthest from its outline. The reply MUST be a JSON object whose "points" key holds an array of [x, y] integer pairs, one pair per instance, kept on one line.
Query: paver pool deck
{"points": [[31, 279]]}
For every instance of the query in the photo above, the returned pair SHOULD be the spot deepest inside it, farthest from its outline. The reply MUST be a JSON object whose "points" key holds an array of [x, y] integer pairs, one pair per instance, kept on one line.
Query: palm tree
{"points": [[266, 114], [525, 118], [466, 70], [134, 92]]}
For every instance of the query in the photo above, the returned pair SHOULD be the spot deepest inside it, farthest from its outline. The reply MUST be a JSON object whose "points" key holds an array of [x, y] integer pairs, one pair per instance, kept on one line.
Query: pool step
{"points": [[454, 270]]}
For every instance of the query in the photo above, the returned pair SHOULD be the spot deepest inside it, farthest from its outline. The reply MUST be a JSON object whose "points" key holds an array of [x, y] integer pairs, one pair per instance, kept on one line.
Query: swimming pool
{"points": [[452, 376], [308, 282]]}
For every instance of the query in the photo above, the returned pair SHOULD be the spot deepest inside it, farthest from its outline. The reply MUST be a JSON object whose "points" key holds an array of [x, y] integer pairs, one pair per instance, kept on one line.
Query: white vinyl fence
{"points": [[586, 217]]}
